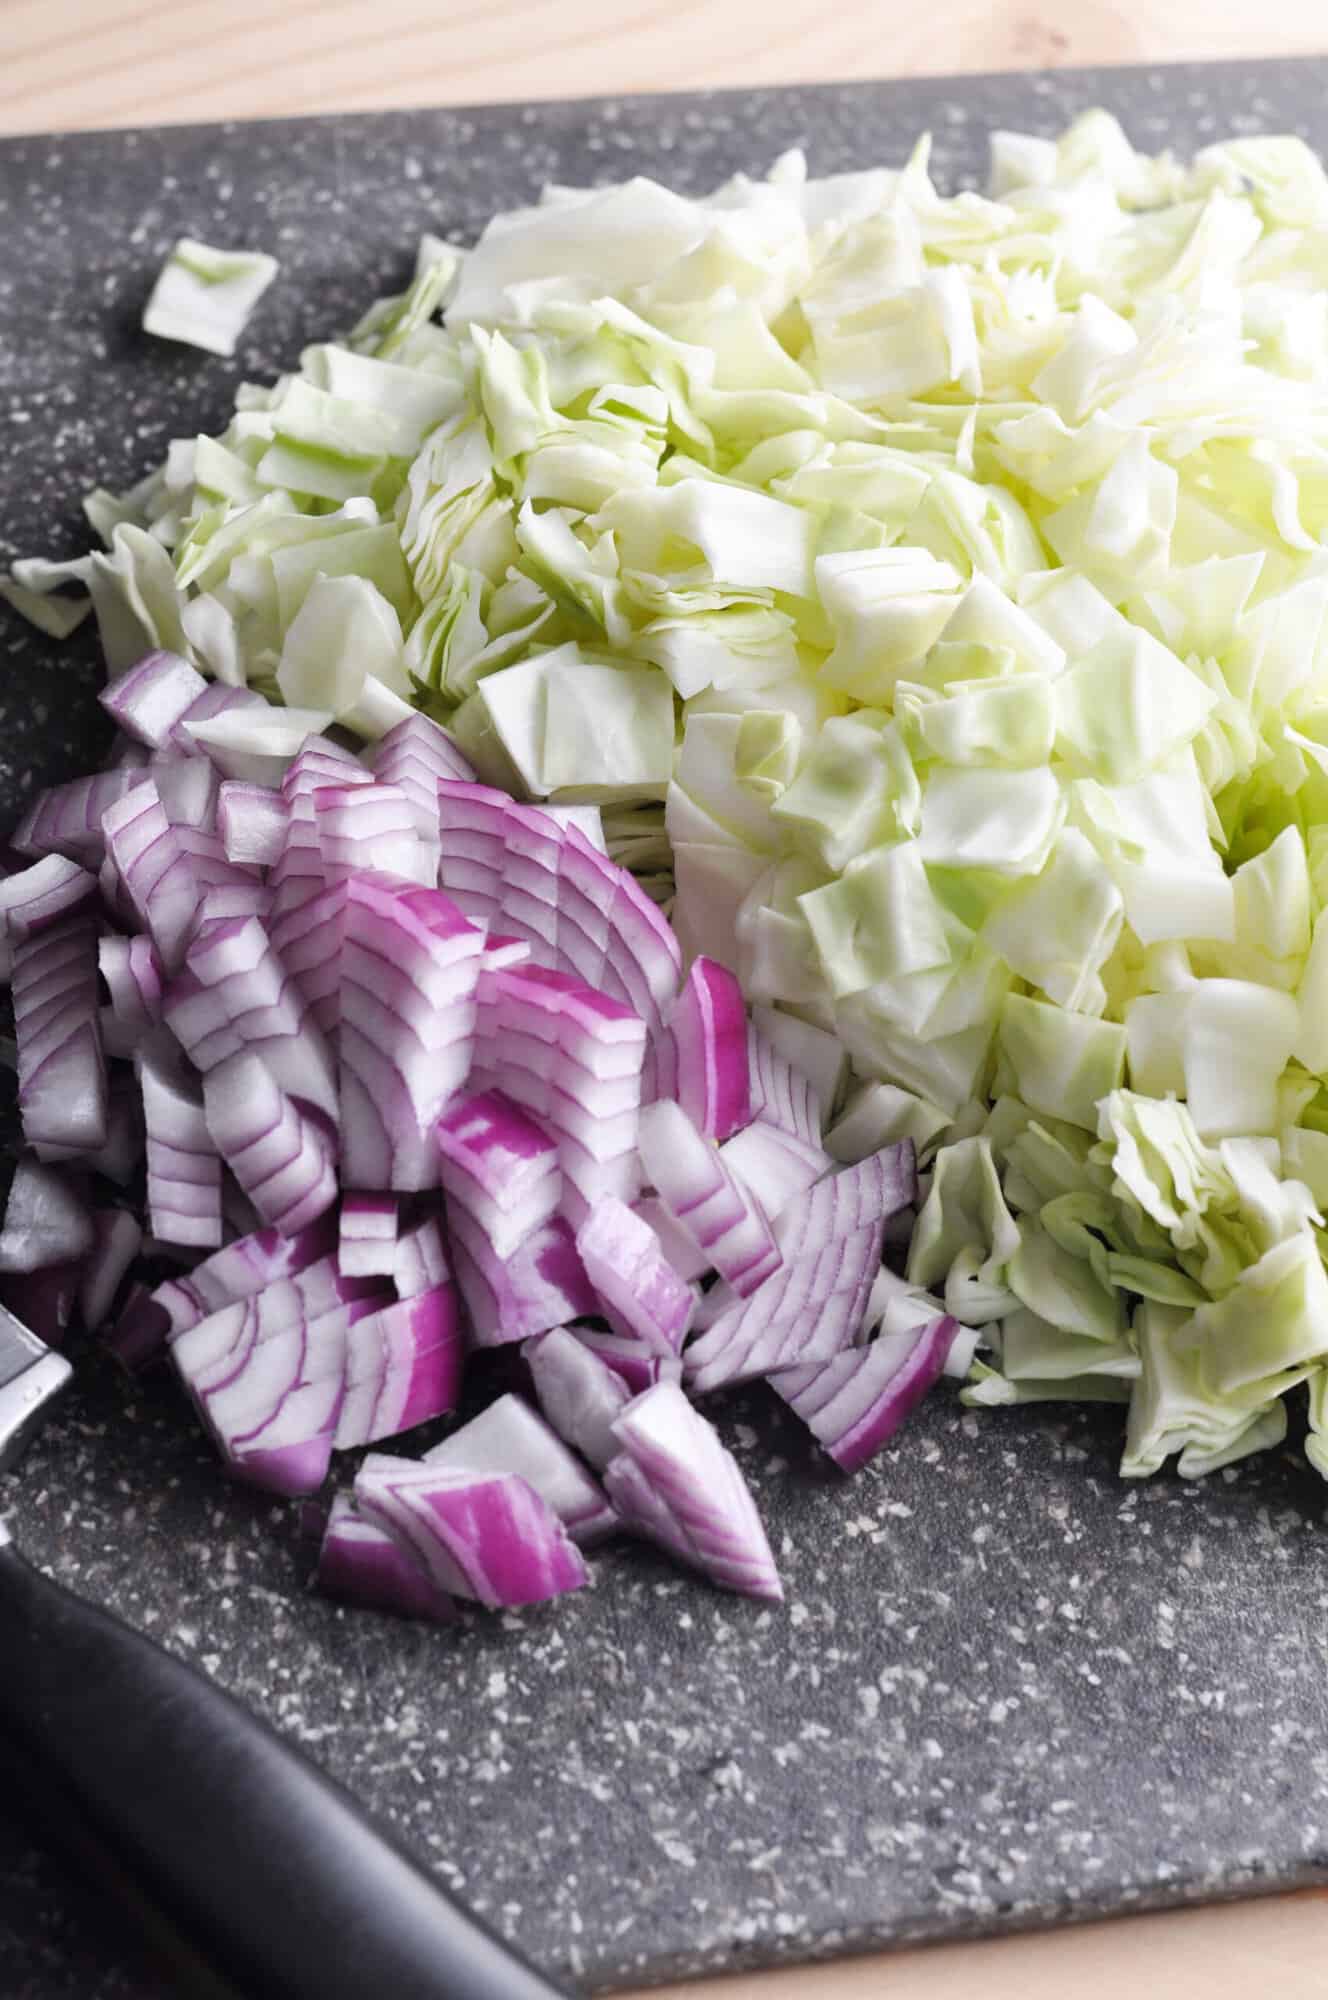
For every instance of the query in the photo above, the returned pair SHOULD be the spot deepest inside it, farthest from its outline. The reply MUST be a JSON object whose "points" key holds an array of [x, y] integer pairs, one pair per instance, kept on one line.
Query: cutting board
{"points": [[1005, 1688]]}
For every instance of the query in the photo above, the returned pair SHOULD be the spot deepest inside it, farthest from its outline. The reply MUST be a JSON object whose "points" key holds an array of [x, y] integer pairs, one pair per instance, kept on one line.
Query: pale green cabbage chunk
{"points": [[953, 570]]}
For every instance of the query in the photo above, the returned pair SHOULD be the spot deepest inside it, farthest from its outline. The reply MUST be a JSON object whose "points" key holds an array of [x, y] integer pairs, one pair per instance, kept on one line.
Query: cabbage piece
{"points": [[965, 1235], [204, 296]]}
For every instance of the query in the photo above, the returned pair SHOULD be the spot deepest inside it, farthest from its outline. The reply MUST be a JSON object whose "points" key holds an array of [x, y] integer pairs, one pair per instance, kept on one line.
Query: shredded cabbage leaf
{"points": [[932, 591]]}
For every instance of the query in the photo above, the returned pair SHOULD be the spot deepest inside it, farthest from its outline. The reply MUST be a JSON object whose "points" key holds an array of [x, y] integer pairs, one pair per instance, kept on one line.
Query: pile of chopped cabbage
{"points": [[934, 590]]}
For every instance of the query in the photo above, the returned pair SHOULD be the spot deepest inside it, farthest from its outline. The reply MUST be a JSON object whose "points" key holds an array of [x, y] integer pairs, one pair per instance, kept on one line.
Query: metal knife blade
{"points": [[31, 1373]]}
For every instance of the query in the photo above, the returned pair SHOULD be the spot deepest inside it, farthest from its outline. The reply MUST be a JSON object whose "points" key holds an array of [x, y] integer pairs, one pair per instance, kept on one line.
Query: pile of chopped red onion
{"points": [[390, 1068]]}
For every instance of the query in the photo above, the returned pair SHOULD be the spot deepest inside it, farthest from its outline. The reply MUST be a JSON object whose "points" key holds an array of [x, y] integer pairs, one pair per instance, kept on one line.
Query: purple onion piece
{"points": [[367, 1243], [499, 1167], [510, 1437], [49, 892], [814, 1305], [854, 1403], [642, 1293], [579, 1393], [403, 1367], [541, 1285], [781, 1094], [234, 994], [699, 1505], [420, 1262], [251, 821], [184, 1171], [46, 1221], [153, 869], [639, 1367], [282, 1155], [708, 1026], [134, 979], [696, 1186], [151, 697], [68, 818], [774, 1165], [363, 1565], [62, 1084], [487, 1537], [410, 962]]}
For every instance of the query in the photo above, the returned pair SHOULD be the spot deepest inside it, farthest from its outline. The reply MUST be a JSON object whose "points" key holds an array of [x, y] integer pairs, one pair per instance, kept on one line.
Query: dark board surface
{"points": [[1005, 1688]]}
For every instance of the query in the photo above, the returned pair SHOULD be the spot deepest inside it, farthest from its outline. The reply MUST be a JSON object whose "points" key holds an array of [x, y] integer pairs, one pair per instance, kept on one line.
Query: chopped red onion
{"points": [[708, 1025], [67, 819], [489, 1537], [420, 1262], [46, 1221], [234, 994], [151, 697], [676, 1483], [782, 1095], [542, 1284], [472, 832], [403, 1366], [410, 962], [642, 1293], [773, 1164], [361, 1564], [133, 976], [49, 892], [370, 826], [638, 1366], [251, 821], [854, 1403], [153, 868], [809, 1051], [697, 1188], [367, 1245], [184, 1171], [499, 1167], [283, 1157], [579, 1393], [62, 1086], [681, 1248], [813, 1306], [509, 1437]]}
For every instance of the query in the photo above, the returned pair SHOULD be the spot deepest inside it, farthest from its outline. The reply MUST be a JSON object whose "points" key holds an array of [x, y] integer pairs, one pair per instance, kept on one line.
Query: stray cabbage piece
{"points": [[204, 297]]}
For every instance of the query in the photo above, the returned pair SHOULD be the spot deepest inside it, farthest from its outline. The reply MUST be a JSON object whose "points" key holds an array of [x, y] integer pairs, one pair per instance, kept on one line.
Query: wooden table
{"points": [[72, 63]]}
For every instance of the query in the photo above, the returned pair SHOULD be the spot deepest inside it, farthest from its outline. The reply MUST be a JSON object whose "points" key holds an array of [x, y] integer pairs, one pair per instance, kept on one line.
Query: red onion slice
{"points": [[410, 962], [363, 1565], [782, 1095], [67, 819], [854, 1403], [695, 1185], [134, 980], [637, 1366], [641, 1291], [490, 1538], [420, 1262], [235, 994], [542, 1284], [283, 1157], [403, 1367], [46, 1221], [153, 868], [62, 1085], [151, 697], [499, 1167], [774, 1165], [367, 1244], [509, 1437], [708, 1025], [705, 1513], [184, 1171], [251, 821], [580, 1395]]}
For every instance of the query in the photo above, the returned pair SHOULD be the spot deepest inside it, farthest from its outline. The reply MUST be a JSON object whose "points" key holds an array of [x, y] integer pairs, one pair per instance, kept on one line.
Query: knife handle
{"points": [[266, 1871]]}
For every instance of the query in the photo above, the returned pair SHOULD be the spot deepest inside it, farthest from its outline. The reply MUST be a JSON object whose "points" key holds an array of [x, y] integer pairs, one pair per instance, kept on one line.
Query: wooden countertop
{"points": [[75, 63]]}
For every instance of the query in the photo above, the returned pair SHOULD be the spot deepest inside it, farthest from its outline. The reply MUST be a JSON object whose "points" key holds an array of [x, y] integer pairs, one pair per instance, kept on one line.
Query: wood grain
{"points": [[66, 64], [72, 63]]}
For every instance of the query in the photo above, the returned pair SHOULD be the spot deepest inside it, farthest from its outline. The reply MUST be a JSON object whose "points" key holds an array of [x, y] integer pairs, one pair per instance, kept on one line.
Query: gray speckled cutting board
{"points": [[1005, 1688]]}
